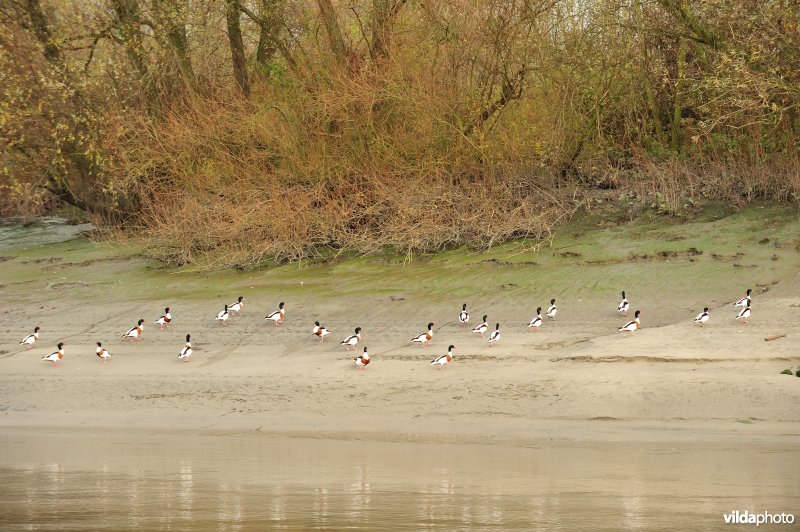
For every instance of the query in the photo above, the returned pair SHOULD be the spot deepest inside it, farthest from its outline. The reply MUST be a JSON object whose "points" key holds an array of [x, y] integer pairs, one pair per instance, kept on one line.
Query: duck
{"points": [[463, 317], [57, 355], [495, 336], [702, 317], [237, 307], [319, 331], [444, 360], [425, 337], [277, 316], [482, 328], [186, 350], [551, 312], [537, 321], [631, 326], [102, 353], [31, 338], [135, 332], [351, 341], [362, 360], [744, 313], [623, 306], [745, 301], [164, 320], [223, 315]]}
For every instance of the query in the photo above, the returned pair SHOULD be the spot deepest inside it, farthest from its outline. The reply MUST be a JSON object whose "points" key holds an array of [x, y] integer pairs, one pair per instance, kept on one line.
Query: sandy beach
{"points": [[576, 379]]}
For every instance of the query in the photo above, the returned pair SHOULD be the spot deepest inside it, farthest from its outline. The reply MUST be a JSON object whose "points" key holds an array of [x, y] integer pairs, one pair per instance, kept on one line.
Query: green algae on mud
{"points": [[594, 254]]}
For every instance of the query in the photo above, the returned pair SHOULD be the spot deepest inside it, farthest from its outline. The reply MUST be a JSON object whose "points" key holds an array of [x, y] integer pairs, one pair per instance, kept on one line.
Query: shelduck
{"points": [[537, 321], [552, 311], [482, 328], [164, 320], [362, 360], [745, 301], [744, 313], [495, 336], [623, 306], [31, 338], [277, 316], [351, 341], [101, 353], [444, 360], [135, 332], [319, 331], [702, 318], [56, 356], [223, 315], [425, 337], [237, 307], [463, 317], [186, 351], [631, 326]]}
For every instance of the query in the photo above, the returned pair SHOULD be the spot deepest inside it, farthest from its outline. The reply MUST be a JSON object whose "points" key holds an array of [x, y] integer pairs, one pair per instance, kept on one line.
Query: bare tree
{"points": [[232, 18], [384, 13], [331, 23]]}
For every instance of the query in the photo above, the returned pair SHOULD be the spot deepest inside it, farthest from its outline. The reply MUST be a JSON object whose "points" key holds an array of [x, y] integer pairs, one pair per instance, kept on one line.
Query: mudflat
{"points": [[575, 379], [572, 427]]}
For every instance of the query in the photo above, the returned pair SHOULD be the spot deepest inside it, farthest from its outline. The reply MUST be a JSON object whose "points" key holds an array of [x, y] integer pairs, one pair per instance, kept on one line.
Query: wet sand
{"points": [[576, 379], [532, 431]]}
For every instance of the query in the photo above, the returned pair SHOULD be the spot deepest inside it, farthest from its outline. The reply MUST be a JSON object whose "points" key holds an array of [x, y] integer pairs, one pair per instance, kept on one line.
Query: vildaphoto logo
{"points": [[746, 518]]}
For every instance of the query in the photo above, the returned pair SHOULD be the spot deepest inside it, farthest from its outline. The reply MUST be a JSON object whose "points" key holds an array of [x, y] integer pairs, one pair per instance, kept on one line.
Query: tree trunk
{"points": [[678, 99], [682, 11], [655, 113], [384, 13], [129, 24], [334, 32], [270, 26], [232, 16], [171, 15]]}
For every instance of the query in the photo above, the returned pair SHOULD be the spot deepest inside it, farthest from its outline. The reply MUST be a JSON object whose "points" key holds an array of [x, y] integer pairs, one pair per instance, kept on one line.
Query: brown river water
{"points": [[154, 481]]}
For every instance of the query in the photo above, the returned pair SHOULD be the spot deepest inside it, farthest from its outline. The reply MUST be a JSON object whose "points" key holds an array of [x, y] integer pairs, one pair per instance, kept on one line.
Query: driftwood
{"points": [[774, 337]]}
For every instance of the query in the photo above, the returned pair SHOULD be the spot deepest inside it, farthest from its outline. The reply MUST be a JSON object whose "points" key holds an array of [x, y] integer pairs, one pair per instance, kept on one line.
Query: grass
{"points": [[586, 256]]}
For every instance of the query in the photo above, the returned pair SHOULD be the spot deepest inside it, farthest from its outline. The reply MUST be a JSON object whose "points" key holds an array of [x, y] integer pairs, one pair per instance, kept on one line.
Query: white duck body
{"points": [[623, 306], [237, 307], [745, 301], [362, 360], [702, 318], [537, 321], [55, 356], [135, 332], [186, 350], [744, 313], [424, 338], [101, 353], [463, 317], [631, 326], [444, 360], [351, 341], [31, 339], [164, 320], [482, 328], [495, 336], [277, 316]]}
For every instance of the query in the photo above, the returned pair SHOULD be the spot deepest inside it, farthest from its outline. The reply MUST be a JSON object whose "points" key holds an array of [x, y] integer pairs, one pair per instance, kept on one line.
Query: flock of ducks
{"points": [[134, 334]]}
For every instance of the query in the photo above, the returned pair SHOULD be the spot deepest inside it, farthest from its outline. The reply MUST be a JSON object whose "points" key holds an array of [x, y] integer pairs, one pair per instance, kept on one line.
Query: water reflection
{"points": [[236, 483]]}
